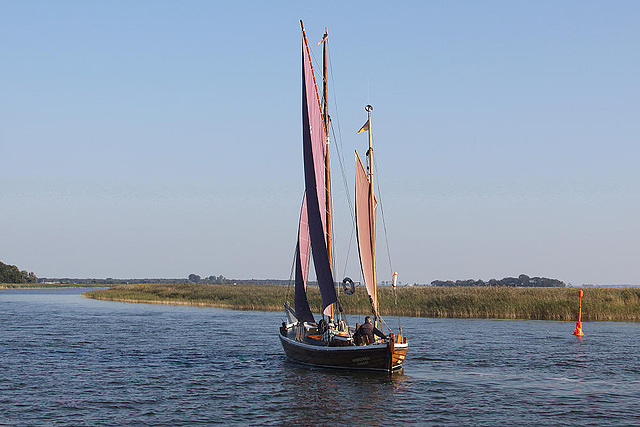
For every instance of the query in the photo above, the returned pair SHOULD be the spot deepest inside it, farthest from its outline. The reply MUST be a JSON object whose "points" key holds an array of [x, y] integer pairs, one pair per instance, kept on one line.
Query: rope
{"points": [[293, 264], [386, 238], [337, 138], [350, 203], [384, 223], [340, 154], [385, 324]]}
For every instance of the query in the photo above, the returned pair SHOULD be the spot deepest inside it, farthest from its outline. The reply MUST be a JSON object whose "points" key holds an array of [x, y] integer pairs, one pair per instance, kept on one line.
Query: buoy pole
{"points": [[578, 332]]}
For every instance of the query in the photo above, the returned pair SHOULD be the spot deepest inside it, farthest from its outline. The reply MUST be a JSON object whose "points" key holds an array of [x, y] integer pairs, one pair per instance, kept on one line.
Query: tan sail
{"points": [[365, 227]]}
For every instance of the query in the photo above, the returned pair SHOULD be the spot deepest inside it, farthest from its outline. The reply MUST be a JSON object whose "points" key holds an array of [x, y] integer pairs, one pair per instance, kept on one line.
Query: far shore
{"points": [[47, 286], [491, 302]]}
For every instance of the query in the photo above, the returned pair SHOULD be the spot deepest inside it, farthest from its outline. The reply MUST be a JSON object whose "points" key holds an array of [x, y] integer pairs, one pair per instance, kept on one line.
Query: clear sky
{"points": [[163, 138]]}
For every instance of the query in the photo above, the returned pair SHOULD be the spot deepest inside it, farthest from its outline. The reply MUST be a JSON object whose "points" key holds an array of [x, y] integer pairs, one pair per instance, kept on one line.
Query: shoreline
{"points": [[47, 286], [599, 304]]}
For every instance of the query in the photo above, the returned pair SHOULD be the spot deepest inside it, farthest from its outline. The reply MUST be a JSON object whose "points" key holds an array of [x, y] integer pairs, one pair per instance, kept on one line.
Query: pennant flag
{"points": [[365, 127]]}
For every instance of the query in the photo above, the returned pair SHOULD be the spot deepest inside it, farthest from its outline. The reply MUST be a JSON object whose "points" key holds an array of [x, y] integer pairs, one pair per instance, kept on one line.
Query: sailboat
{"points": [[331, 342]]}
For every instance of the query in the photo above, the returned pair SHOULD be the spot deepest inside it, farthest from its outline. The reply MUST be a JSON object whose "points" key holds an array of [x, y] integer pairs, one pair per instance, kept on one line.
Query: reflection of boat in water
{"points": [[384, 395], [330, 342]]}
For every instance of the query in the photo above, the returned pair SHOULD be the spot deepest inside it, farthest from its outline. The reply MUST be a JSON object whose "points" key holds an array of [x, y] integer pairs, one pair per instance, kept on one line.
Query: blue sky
{"points": [[159, 139]]}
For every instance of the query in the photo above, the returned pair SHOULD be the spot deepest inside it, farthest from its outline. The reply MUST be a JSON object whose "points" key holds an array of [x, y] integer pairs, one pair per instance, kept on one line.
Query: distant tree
{"points": [[510, 281], [525, 280], [443, 283], [194, 278], [546, 282], [26, 277], [468, 282], [12, 274]]}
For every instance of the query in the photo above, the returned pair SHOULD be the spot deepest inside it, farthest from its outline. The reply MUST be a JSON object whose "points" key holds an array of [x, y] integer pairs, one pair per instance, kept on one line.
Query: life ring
{"points": [[352, 289]]}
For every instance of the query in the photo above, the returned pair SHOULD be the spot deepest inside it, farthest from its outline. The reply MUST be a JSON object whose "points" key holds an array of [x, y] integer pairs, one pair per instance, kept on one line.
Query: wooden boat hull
{"points": [[373, 357]]}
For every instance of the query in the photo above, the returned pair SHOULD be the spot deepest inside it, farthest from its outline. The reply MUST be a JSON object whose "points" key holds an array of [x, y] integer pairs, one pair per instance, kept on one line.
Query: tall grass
{"points": [[617, 304], [515, 303], [241, 297]]}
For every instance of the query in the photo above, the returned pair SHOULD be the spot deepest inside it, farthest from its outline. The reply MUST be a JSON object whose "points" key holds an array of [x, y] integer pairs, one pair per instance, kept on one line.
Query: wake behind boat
{"points": [[330, 342]]}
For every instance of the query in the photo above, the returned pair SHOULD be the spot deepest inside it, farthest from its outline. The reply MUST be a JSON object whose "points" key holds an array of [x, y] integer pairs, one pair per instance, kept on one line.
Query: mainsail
{"points": [[314, 143], [365, 228]]}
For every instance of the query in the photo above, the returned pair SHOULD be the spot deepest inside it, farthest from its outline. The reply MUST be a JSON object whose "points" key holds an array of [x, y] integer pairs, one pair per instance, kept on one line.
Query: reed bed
{"points": [[239, 297], [612, 304]]}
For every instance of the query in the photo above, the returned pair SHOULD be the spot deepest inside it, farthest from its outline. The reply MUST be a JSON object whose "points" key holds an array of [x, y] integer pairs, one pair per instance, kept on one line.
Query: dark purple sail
{"points": [[303, 312]]}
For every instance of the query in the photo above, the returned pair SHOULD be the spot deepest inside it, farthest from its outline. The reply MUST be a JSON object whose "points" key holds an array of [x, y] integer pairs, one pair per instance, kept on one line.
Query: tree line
{"points": [[221, 280], [211, 280], [12, 274], [521, 280], [192, 278]]}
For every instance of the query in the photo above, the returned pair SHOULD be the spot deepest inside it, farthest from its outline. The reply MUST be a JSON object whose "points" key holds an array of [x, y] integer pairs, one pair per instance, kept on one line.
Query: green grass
{"points": [[615, 304]]}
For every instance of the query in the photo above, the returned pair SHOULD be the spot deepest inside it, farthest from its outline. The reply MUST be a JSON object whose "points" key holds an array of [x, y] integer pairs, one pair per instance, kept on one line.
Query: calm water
{"points": [[68, 360]]}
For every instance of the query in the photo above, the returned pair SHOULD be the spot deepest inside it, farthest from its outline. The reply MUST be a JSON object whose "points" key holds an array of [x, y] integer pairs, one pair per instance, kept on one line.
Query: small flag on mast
{"points": [[365, 127], [324, 38]]}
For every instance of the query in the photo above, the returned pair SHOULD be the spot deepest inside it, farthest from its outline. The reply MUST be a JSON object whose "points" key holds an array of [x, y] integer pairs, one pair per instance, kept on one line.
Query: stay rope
{"points": [[386, 237], [339, 149]]}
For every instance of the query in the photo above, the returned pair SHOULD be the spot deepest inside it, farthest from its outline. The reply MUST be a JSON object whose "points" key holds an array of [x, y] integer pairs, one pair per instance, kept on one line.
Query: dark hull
{"points": [[373, 357]]}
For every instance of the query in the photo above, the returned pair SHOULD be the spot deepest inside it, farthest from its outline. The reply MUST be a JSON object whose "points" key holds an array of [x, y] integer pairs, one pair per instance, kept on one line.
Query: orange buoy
{"points": [[578, 332]]}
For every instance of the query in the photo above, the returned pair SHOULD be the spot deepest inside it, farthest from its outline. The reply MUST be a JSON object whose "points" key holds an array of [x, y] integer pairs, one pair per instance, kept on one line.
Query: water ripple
{"points": [[72, 361]]}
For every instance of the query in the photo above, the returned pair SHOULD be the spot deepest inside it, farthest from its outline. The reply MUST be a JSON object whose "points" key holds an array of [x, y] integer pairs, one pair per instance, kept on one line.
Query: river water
{"points": [[69, 360]]}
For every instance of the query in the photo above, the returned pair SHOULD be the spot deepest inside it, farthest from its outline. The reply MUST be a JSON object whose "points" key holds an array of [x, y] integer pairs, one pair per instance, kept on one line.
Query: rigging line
{"points": [[384, 323], [334, 251], [338, 138], [386, 237], [317, 62], [384, 223], [395, 296], [334, 254], [340, 156], [317, 66], [295, 252], [340, 152], [344, 181], [368, 92], [293, 266], [333, 242]]}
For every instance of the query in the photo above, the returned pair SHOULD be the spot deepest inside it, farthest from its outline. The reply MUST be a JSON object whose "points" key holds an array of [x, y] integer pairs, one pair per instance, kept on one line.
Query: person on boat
{"points": [[365, 333]]}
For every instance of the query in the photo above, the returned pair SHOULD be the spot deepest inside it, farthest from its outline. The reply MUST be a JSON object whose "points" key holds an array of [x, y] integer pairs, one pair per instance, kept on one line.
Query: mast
{"points": [[366, 217], [327, 166], [372, 218]]}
